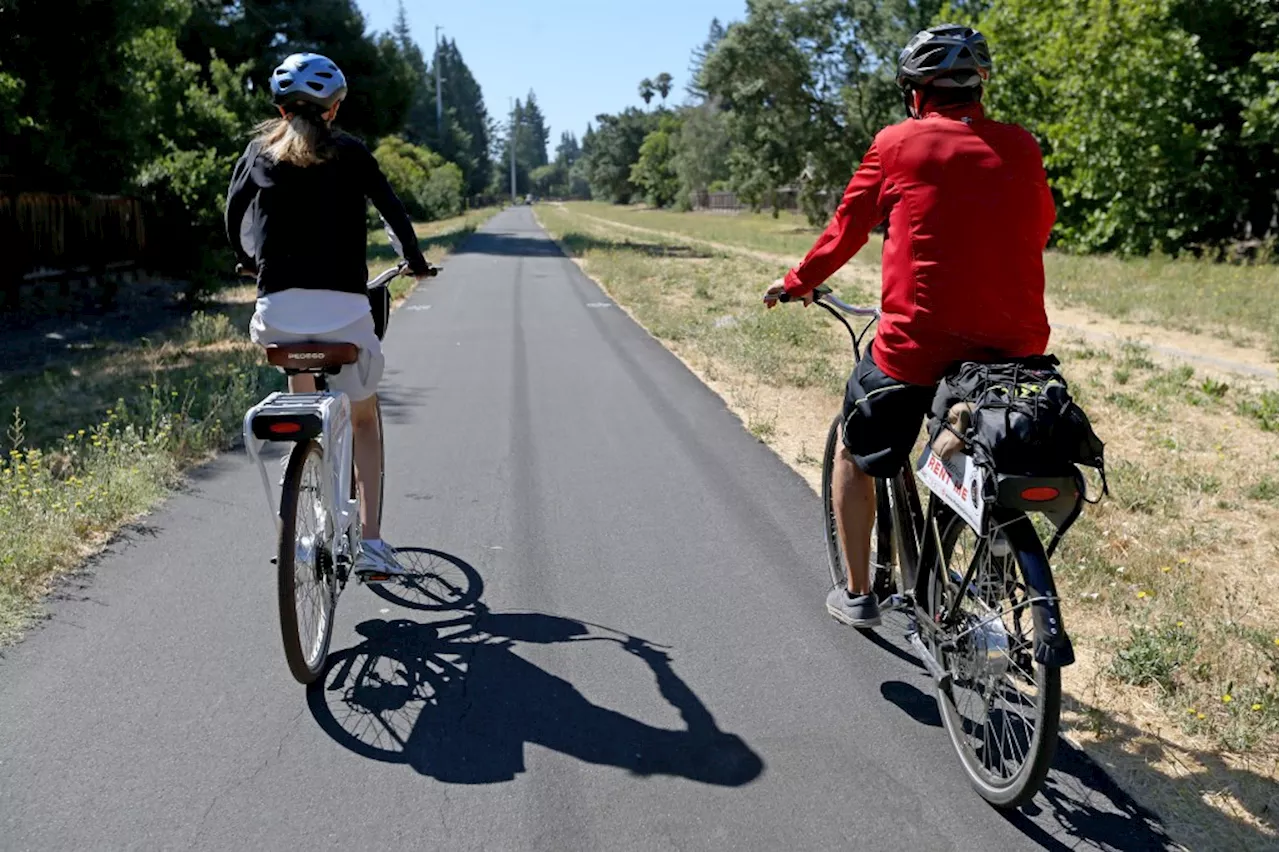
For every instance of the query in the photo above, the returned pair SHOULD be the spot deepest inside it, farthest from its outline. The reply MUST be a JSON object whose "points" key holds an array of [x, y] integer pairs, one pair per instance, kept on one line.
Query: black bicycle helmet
{"points": [[948, 56], [308, 78]]}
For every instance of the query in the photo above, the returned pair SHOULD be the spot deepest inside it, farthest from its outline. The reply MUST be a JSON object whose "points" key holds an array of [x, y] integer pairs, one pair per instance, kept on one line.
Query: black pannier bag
{"points": [[1017, 417]]}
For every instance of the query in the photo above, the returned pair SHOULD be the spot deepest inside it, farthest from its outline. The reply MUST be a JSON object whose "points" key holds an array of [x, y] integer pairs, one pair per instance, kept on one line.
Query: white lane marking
{"points": [[384, 611], [417, 307], [599, 305]]}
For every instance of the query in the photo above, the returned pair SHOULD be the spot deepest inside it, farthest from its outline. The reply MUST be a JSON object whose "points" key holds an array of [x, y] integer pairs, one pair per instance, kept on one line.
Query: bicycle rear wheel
{"points": [[306, 583], [1002, 708]]}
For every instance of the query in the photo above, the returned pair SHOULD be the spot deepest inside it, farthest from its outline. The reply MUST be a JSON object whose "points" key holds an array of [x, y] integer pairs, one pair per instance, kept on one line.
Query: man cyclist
{"points": [[296, 215], [969, 213]]}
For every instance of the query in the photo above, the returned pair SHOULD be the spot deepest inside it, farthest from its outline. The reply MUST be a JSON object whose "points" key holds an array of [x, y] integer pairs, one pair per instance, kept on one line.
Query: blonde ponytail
{"points": [[300, 140]]}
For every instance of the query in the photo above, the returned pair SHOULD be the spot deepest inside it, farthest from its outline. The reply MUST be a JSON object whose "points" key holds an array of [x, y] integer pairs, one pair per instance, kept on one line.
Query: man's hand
{"points": [[777, 288]]}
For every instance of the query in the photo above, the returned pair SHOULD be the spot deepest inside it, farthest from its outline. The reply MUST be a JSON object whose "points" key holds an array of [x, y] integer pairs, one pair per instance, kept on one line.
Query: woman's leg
{"points": [[368, 458]]}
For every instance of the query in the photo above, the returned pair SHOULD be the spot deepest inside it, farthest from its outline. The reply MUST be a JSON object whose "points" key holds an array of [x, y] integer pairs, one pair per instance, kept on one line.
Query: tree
{"points": [[467, 138], [701, 151], [531, 137], [568, 151], [807, 85], [66, 92], [654, 172], [715, 34], [646, 90], [535, 135], [430, 187], [609, 151], [662, 84], [1143, 110]]}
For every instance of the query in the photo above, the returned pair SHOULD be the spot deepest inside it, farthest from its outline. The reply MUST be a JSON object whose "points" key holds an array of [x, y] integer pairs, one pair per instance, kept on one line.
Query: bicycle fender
{"points": [[1052, 646]]}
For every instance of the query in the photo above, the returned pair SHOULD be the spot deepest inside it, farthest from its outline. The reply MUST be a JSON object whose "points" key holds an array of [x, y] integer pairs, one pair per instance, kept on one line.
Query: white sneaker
{"points": [[377, 562]]}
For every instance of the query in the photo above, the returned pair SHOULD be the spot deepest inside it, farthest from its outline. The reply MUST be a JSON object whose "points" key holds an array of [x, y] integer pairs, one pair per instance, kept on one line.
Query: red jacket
{"points": [[969, 214]]}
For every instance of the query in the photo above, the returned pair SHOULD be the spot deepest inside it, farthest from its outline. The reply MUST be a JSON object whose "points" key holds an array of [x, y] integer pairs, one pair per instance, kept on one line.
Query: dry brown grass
{"points": [[1171, 583]]}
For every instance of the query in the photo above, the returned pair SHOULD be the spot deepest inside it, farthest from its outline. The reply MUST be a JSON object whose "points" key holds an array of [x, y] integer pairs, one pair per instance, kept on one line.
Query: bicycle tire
{"points": [[1024, 545], [305, 665], [835, 555]]}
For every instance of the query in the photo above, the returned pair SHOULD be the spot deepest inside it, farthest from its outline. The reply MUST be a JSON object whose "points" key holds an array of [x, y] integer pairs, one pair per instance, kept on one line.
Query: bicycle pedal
{"points": [[370, 578]]}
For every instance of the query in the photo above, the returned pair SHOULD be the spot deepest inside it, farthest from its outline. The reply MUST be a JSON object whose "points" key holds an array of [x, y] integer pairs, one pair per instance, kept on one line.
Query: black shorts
{"points": [[882, 418]]}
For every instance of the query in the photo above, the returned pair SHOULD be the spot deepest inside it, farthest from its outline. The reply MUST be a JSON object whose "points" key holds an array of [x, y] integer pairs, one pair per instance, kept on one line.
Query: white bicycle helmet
{"points": [[308, 78]]}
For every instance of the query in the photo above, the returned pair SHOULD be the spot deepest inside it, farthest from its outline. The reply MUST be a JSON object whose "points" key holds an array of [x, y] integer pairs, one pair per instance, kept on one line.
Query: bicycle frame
{"points": [[902, 520]]}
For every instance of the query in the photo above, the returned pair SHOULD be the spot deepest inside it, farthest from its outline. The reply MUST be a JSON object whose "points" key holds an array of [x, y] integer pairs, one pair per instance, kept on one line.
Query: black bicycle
{"points": [[970, 574]]}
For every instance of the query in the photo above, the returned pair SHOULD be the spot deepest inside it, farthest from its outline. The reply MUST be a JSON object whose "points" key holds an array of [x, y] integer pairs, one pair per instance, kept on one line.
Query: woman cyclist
{"points": [[296, 215]]}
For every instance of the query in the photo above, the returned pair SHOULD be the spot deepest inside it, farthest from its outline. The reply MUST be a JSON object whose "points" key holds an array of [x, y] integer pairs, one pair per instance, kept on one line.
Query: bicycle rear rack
{"points": [[293, 417]]}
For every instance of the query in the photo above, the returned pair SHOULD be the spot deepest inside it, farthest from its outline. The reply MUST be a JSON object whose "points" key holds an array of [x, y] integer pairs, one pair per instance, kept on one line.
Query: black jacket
{"points": [[306, 227]]}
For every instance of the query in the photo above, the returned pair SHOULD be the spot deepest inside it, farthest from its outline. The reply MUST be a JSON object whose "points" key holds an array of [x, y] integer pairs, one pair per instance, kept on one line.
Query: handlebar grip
{"points": [[818, 292]]}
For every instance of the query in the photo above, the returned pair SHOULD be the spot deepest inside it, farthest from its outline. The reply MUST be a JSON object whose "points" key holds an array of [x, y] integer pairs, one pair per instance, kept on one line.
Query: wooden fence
{"points": [[64, 248], [728, 202]]}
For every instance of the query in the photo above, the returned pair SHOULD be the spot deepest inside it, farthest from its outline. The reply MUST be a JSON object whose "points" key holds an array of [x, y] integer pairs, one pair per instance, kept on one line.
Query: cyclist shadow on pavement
{"points": [[455, 700]]}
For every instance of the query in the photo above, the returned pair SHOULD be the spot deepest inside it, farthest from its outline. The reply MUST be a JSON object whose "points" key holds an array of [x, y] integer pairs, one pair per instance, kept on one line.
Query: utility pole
{"points": [[439, 99], [512, 146]]}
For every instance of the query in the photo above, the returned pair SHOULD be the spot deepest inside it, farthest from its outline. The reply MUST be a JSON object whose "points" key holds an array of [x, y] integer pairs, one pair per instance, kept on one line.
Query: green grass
{"points": [[97, 440], [1238, 302], [788, 234]]}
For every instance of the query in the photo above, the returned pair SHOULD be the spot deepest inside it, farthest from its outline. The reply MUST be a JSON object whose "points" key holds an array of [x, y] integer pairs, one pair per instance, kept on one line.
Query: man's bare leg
{"points": [[854, 499], [854, 496]]}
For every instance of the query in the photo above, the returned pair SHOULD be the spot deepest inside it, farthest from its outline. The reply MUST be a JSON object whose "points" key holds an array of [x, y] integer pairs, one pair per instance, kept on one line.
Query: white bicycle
{"points": [[318, 517]]}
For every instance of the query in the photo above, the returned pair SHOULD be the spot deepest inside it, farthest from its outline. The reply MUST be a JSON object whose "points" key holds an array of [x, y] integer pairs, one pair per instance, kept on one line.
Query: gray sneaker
{"points": [[859, 611], [377, 563]]}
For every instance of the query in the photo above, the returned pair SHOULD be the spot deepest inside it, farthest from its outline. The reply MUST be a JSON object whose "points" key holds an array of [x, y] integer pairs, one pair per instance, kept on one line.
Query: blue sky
{"points": [[581, 57]]}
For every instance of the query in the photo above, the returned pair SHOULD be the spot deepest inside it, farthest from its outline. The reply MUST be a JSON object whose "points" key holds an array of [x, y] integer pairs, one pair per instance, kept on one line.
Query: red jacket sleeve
{"points": [[1048, 210], [858, 213]]}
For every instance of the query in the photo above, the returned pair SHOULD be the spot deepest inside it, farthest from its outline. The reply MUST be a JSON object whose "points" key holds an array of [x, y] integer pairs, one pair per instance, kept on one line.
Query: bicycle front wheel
{"points": [[1002, 708], [835, 554], [306, 582]]}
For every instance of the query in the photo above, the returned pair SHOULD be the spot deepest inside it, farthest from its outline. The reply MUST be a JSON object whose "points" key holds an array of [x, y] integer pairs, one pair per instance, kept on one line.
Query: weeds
{"points": [[57, 501], [1264, 489], [1263, 410], [1154, 655]]}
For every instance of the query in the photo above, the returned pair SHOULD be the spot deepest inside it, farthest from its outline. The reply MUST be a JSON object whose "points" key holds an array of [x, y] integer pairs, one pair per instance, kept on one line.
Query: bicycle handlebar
{"points": [[827, 297], [401, 268]]}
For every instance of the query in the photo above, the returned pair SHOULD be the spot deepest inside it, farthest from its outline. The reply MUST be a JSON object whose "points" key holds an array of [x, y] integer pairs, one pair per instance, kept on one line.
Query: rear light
{"points": [[1040, 494], [285, 427]]}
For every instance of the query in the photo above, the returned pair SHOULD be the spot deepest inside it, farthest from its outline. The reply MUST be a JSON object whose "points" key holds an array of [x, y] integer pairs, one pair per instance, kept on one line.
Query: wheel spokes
{"points": [[310, 581]]}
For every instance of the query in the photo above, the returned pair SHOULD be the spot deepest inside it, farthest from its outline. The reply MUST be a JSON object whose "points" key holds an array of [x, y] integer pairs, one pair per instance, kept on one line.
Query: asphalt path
{"points": [[619, 641]]}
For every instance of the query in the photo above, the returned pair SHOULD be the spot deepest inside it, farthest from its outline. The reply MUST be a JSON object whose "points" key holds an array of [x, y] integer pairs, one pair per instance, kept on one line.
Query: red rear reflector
{"points": [[1040, 494], [284, 427]]}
